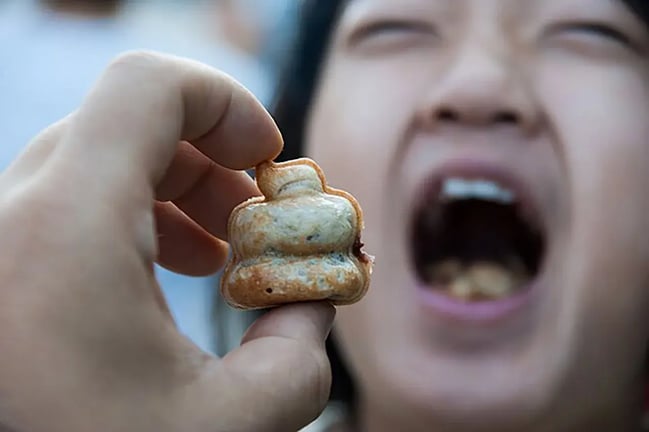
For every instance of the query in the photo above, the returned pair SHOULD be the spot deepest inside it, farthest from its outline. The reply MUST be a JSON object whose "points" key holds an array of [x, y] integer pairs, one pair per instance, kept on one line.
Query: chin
{"points": [[498, 395]]}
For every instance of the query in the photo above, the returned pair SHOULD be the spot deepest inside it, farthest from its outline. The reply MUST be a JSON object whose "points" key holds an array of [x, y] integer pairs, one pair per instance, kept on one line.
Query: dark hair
{"points": [[640, 7], [300, 77], [318, 19]]}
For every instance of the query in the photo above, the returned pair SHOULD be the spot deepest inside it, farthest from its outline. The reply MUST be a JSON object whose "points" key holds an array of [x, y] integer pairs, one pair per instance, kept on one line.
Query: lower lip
{"points": [[478, 312]]}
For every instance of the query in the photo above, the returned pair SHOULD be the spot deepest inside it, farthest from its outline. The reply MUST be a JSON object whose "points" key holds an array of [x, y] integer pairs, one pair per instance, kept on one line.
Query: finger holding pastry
{"points": [[88, 342]]}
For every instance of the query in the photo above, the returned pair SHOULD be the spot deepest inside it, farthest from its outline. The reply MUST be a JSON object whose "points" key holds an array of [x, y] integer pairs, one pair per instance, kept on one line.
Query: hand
{"points": [[86, 340]]}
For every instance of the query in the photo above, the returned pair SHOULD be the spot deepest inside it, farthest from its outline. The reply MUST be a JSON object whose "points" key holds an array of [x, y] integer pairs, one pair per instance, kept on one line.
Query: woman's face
{"points": [[499, 149]]}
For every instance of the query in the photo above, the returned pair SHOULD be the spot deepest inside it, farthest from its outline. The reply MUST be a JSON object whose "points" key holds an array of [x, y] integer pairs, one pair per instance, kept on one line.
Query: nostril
{"points": [[506, 118], [447, 115], [477, 115]]}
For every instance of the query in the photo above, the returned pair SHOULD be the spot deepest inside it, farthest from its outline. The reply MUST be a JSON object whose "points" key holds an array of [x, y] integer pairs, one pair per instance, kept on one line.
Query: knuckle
{"points": [[136, 61], [37, 210], [26, 222]]}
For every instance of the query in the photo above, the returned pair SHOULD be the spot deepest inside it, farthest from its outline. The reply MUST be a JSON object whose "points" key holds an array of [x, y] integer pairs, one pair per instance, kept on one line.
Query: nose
{"points": [[481, 89]]}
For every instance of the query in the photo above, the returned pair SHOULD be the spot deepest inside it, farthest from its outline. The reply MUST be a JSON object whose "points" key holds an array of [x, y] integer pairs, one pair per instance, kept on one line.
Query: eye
{"points": [[594, 30], [391, 28]]}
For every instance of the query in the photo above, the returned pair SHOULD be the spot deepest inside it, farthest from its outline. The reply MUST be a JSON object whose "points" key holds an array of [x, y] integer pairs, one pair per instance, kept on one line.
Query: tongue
{"points": [[480, 280]]}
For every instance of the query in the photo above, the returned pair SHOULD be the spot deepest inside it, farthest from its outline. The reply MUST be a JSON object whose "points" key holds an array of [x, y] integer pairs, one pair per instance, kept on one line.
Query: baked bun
{"points": [[299, 242]]}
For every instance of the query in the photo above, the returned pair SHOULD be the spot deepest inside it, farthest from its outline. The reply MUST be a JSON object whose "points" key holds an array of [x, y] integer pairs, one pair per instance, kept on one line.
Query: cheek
{"points": [[603, 139], [601, 118]]}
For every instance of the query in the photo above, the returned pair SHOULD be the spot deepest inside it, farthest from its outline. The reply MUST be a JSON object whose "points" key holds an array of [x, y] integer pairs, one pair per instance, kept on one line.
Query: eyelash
{"points": [[379, 27], [598, 29], [593, 29]]}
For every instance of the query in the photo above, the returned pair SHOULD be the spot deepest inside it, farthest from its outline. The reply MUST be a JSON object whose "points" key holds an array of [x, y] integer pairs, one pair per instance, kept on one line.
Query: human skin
{"points": [[529, 87], [86, 339]]}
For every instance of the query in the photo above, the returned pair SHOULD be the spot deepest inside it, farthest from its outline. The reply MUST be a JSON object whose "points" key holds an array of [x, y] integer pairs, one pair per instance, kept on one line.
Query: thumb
{"points": [[279, 379]]}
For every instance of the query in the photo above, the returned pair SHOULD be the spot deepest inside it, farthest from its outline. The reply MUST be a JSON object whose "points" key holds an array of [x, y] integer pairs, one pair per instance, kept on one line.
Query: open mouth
{"points": [[476, 239]]}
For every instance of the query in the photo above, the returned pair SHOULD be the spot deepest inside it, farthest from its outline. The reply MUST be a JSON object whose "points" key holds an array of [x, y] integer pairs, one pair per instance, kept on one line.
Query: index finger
{"points": [[145, 103]]}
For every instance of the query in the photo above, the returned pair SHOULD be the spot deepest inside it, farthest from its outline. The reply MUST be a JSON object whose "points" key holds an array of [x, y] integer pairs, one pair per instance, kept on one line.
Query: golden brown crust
{"points": [[298, 242]]}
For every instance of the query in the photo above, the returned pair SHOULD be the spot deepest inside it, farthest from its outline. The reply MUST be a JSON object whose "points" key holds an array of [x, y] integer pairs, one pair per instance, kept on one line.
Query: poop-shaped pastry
{"points": [[299, 242]]}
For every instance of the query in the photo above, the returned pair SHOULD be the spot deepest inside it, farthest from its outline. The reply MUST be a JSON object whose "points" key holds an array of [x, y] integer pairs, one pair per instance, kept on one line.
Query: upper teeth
{"points": [[458, 188]]}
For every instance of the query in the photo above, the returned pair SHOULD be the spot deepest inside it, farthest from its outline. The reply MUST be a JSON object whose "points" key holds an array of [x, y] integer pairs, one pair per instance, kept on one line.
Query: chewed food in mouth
{"points": [[477, 280], [476, 239]]}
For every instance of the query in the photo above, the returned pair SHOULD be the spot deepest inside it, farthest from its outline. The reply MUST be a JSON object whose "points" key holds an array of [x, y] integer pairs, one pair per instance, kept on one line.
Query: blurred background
{"points": [[52, 52]]}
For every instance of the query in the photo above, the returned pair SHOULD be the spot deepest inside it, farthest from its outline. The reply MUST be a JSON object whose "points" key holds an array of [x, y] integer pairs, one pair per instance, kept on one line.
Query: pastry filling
{"points": [[471, 241]]}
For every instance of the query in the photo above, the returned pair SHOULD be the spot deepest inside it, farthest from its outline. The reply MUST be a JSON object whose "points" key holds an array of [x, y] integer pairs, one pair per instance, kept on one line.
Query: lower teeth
{"points": [[479, 280], [462, 287]]}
